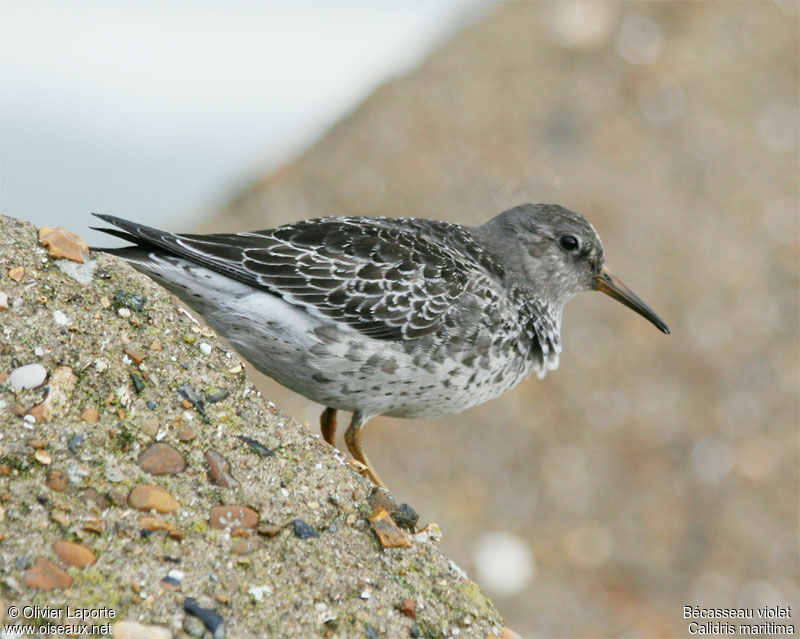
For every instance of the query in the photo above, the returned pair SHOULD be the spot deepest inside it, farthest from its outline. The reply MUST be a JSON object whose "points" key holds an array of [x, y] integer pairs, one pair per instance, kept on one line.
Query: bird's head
{"points": [[555, 253]]}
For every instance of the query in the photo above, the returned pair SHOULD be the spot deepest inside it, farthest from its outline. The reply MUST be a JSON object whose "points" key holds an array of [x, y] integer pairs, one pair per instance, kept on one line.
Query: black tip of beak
{"points": [[607, 283]]}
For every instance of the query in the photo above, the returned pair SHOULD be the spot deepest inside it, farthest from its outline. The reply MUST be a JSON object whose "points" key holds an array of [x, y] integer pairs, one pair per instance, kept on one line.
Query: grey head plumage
{"points": [[550, 251], [554, 253]]}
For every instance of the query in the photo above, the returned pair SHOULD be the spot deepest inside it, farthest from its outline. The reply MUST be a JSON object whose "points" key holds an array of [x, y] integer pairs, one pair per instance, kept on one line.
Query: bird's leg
{"points": [[353, 440], [327, 422]]}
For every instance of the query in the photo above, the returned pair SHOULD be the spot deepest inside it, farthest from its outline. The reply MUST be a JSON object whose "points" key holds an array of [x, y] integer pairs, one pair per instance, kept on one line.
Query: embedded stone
{"points": [[74, 554], [45, 575], [232, 516], [388, 533], [161, 459], [62, 243], [149, 497], [186, 435], [219, 470], [302, 530], [27, 377], [56, 480], [91, 415]]}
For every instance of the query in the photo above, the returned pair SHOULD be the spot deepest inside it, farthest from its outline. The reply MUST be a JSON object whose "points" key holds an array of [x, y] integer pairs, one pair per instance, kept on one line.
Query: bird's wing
{"points": [[370, 274]]}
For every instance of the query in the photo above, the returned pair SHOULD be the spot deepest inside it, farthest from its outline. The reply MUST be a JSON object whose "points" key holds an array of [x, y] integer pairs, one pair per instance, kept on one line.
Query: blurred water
{"points": [[159, 111]]}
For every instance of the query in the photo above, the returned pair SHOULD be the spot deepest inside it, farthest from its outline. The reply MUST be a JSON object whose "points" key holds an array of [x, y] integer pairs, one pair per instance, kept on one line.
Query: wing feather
{"points": [[370, 274]]}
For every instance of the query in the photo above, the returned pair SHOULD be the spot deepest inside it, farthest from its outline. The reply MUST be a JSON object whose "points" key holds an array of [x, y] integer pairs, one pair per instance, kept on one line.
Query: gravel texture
{"points": [[97, 511]]}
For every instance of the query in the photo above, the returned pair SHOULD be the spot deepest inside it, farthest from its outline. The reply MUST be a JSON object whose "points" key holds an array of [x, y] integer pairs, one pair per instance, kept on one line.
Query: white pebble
{"points": [[206, 348], [124, 312], [365, 594], [38, 351], [30, 419], [60, 318], [258, 592], [29, 376]]}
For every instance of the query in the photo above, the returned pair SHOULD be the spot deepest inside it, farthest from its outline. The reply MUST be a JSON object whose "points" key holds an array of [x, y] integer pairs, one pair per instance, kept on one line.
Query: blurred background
{"points": [[649, 472]]}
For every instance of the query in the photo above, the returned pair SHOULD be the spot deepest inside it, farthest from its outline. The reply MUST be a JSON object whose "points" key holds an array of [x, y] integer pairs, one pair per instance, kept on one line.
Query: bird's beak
{"points": [[605, 282]]}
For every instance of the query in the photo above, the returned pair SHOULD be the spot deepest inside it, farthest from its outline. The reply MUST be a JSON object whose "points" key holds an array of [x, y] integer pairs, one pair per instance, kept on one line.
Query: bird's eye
{"points": [[568, 242]]}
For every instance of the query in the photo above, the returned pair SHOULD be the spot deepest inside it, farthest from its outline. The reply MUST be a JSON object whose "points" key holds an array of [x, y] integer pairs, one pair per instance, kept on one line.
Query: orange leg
{"points": [[353, 440]]}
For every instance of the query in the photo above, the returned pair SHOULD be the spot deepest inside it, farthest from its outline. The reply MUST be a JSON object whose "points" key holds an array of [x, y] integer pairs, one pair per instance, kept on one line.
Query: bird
{"points": [[401, 317]]}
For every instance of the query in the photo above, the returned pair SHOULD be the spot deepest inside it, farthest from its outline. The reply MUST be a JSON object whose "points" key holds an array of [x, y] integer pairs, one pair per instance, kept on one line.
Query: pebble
{"points": [[161, 459], [56, 480], [136, 630], [91, 415], [60, 318], [62, 243], [60, 517], [382, 497], [62, 380], [3, 301], [149, 522], [151, 405], [74, 554], [387, 531], [136, 356], [186, 435], [270, 530], [257, 446], [258, 592], [406, 517], [370, 632], [206, 348], [170, 583], [129, 300], [232, 516], [431, 531], [302, 530], [124, 312], [149, 426], [45, 575], [219, 470], [43, 457], [193, 397], [218, 396], [149, 497], [245, 546], [76, 440], [138, 382], [17, 273], [212, 620], [408, 607], [27, 377]]}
